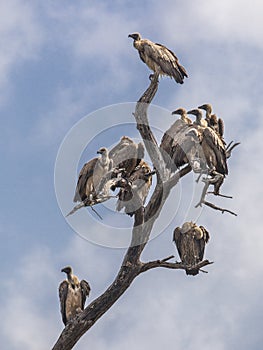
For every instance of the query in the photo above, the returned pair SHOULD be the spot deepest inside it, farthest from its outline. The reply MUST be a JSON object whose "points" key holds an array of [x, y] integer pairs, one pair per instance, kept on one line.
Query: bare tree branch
{"points": [[144, 220], [177, 265], [213, 206]]}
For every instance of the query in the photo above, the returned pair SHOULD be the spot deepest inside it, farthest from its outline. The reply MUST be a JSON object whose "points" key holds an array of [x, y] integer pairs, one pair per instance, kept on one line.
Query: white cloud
{"points": [[30, 323], [21, 37], [205, 22]]}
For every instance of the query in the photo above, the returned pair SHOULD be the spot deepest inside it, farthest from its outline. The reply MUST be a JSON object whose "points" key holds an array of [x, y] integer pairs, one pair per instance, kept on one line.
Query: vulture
{"points": [[159, 58], [212, 145], [126, 155], [199, 121], [133, 195], [91, 175], [176, 146], [183, 113], [190, 241], [72, 295], [215, 123]]}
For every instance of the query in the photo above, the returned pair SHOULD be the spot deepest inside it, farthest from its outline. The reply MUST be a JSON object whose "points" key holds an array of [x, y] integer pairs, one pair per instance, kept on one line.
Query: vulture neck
{"points": [[137, 44], [208, 115], [198, 119], [104, 159], [73, 280], [184, 117]]}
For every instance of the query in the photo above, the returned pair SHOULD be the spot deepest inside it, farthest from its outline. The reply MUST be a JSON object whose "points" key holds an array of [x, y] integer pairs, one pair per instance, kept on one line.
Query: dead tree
{"points": [[144, 219]]}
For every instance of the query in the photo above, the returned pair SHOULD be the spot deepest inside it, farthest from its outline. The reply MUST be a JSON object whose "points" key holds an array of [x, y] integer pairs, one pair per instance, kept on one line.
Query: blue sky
{"points": [[61, 61]]}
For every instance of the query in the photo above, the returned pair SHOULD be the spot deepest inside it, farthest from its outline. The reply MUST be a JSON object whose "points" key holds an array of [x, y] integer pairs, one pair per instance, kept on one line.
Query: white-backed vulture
{"points": [[72, 295], [126, 155], [208, 109], [133, 195], [91, 175], [183, 113], [215, 123], [190, 241], [199, 121], [176, 146], [214, 151], [159, 58]]}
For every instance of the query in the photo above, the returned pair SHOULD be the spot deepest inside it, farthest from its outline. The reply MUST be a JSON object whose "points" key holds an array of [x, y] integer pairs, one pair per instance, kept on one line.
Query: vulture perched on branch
{"points": [[212, 145], [126, 155], [190, 241], [91, 175], [159, 58], [134, 193], [215, 123], [72, 295], [177, 148]]}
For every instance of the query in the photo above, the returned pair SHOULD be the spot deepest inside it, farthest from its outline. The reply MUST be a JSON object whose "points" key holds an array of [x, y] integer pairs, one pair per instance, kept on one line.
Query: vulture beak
{"points": [[135, 36], [101, 150], [66, 269], [176, 112]]}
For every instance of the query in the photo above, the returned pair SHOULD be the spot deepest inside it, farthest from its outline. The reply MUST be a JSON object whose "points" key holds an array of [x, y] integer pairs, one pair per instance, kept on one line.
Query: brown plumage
{"points": [[214, 151], [91, 175], [126, 155], [212, 145], [72, 295], [215, 123], [176, 146], [159, 58], [190, 241], [133, 195]]}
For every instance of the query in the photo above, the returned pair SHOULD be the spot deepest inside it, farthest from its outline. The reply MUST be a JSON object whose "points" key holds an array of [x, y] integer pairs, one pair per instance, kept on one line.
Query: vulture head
{"points": [[135, 36], [197, 112], [126, 140], [67, 270], [187, 226], [102, 150], [180, 111], [206, 107]]}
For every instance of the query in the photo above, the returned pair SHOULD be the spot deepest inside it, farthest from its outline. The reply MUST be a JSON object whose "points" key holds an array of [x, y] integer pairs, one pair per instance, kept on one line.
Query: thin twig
{"points": [[211, 205]]}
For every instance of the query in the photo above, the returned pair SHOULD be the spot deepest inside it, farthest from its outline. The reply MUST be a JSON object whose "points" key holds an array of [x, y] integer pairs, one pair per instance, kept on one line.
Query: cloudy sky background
{"points": [[61, 61]]}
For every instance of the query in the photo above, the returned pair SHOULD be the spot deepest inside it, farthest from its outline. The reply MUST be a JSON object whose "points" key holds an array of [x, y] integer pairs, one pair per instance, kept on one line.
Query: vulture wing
{"points": [[85, 173], [216, 144], [167, 141], [124, 155], [177, 68], [85, 290], [162, 60], [177, 238], [221, 127], [63, 292], [202, 242]]}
